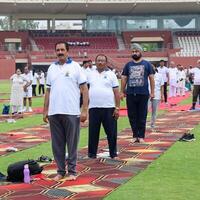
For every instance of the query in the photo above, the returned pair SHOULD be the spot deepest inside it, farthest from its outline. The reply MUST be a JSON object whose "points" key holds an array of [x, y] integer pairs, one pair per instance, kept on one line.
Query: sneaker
{"points": [[11, 149], [192, 108], [30, 109], [24, 109], [189, 138], [185, 135], [14, 113]]}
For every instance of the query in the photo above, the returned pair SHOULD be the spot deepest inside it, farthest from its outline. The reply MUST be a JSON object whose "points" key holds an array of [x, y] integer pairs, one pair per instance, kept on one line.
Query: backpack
{"points": [[16, 170], [6, 109]]}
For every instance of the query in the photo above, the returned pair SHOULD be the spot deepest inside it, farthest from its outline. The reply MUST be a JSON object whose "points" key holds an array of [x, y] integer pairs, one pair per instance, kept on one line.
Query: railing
{"points": [[97, 1]]}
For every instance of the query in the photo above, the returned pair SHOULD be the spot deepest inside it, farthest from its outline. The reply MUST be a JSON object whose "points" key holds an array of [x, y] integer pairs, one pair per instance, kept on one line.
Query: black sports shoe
{"points": [[185, 135], [189, 138]]}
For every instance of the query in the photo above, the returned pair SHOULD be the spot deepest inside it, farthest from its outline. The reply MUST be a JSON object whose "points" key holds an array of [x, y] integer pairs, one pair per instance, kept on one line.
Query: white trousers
{"points": [[172, 91]]}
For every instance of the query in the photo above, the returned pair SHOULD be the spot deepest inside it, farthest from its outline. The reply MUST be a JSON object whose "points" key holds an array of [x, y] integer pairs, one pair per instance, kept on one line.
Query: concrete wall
{"points": [[7, 68], [185, 61]]}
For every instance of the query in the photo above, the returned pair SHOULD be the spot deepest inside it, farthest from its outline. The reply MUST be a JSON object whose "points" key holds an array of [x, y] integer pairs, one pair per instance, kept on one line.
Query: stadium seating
{"points": [[77, 39], [189, 42]]}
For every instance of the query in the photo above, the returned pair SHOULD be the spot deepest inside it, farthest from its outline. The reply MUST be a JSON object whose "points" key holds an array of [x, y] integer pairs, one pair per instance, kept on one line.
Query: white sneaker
{"points": [[30, 109], [24, 109]]}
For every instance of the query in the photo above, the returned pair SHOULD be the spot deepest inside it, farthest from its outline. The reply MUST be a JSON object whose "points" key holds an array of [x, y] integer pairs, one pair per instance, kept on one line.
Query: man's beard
{"points": [[136, 57]]}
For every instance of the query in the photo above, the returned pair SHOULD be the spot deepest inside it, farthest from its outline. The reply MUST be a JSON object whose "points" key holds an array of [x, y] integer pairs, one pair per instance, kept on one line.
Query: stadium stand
{"points": [[189, 42]]}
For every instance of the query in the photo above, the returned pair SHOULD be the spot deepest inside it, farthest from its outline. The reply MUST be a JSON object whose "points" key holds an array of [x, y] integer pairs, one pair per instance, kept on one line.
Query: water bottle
{"points": [[27, 178]]}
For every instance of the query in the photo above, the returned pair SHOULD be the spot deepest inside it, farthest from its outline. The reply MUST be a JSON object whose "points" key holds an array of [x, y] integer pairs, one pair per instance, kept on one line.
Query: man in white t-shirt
{"points": [[164, 71], [65, 81], [41, 80], [173, 79], [158, 95], [104, 102], [196, 89], [28, 76], [181, 81]]}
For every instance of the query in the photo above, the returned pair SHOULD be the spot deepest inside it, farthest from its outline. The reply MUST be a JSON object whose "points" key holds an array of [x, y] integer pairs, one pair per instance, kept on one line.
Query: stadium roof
{"points": [[28, 9]]}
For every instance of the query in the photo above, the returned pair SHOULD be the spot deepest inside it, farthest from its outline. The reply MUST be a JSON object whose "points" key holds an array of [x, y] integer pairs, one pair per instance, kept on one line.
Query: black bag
{"points": [[16, 170], [6, 109]]}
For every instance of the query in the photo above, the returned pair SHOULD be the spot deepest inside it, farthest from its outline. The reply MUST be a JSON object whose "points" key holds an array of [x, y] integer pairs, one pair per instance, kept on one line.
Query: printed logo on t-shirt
{"points": [[67, 74], [136, 76]]}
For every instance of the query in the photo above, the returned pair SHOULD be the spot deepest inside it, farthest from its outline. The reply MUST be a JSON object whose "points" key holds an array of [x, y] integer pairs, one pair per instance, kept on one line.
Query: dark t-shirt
{"points": [[137, 74]]}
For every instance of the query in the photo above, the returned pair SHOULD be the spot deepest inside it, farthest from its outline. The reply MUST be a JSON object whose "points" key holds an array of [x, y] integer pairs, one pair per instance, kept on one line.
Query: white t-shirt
{"points": [[88, 70], [41, 78], [35, 77], [173, 76], [101, 93], [28, 77], [164, 71], [196, 72], [158, 79], [64, 81], [181, 75]]}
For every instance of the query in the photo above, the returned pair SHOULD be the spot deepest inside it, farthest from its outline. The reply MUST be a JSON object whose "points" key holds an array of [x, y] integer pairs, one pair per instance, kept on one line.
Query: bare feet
{"points": [[71, 177], [141, 140], [135, 140], [58, 177]]}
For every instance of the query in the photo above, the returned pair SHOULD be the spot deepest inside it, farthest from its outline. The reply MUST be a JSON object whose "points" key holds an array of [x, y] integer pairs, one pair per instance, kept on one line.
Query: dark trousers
{"points": [[65, 130], [41, 87], [165, 92], [137, 106], [104, 116], [196, 93], [34, 90]]}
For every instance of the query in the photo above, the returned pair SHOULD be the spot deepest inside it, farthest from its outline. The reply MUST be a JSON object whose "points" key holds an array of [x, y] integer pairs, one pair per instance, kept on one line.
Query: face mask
{"points": [[136, 57]]}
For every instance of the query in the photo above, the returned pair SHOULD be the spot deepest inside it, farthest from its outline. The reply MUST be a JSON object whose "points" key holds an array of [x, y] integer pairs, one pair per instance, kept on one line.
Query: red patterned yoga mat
{"points": [[99, 177], [23, 138]]}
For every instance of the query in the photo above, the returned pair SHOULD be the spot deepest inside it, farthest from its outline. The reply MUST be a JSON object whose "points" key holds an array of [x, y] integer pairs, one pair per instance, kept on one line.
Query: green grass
{"points": [[174, 176], [37, 102], [21, 123], [5, 86], [186, 101]]}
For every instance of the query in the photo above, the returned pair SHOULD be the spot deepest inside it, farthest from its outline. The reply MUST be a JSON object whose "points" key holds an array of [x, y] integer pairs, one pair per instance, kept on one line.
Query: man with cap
{"points": [[134, 86]]}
